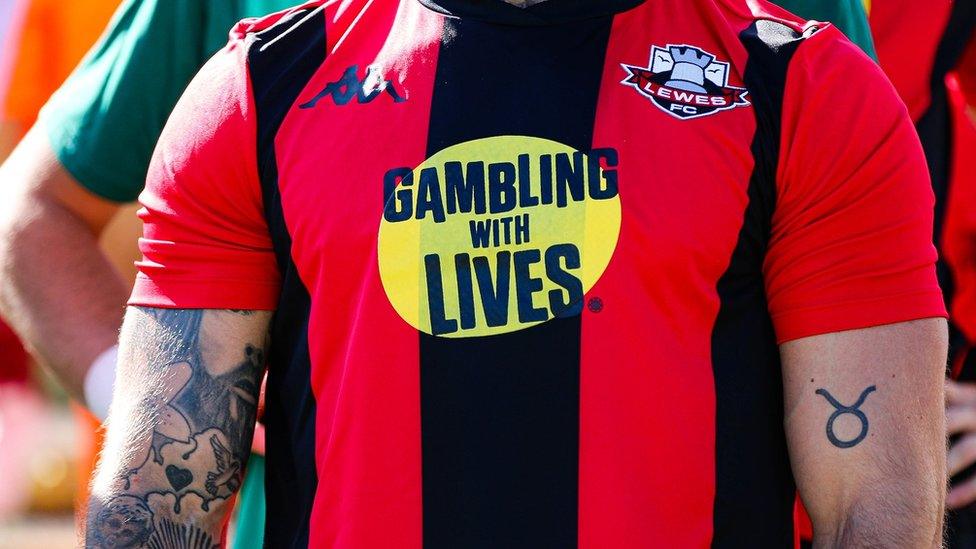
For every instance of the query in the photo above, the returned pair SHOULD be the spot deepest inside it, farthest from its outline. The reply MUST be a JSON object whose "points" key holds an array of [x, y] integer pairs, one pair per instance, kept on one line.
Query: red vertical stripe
{"points": [[364, 361], [647, 418]]}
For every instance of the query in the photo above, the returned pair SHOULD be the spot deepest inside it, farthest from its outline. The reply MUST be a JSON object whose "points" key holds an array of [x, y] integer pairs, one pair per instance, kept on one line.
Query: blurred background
{"points": [[48, 444]]}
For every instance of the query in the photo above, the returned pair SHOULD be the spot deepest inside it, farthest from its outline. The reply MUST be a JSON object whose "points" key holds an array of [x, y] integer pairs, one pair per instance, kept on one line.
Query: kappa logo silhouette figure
{"points": [[350, 87]]}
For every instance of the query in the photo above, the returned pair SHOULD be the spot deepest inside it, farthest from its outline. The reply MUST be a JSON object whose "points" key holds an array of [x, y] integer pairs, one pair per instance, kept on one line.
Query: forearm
{"points": [[896, 514], [888, 490], [180, 426], [865, 422], [57, 289]]}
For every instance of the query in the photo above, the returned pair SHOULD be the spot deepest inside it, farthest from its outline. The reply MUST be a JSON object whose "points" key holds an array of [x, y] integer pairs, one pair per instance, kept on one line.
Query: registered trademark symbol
{"points": [[595, 304]]}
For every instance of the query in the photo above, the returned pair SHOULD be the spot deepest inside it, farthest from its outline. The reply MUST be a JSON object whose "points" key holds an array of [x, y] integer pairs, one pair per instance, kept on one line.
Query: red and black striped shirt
{"points": [[531, 267]]}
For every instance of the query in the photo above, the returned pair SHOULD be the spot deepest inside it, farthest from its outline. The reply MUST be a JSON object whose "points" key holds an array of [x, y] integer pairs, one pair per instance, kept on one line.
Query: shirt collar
{"points": [[550, 12]]}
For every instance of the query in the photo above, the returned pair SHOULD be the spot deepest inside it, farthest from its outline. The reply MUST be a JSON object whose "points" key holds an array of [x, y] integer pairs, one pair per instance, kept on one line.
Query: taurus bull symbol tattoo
{"points": [[854, 410]]}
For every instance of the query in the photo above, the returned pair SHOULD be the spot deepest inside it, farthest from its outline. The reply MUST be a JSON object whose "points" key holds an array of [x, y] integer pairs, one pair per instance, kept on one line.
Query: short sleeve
{"points": [[104, 121], [851, 239], [206, 243]]}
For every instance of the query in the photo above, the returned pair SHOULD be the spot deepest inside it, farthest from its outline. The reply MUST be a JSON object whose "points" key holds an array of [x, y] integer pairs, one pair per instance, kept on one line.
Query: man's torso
{"points": [[494, 222]]}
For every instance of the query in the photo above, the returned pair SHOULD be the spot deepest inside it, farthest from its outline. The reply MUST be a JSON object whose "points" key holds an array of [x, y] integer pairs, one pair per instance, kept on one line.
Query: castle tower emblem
{"points": [[685, 82]]}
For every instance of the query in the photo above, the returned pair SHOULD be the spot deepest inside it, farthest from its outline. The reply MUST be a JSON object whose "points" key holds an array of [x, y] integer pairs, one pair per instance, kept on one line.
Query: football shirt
{"points": [[531, 267]]}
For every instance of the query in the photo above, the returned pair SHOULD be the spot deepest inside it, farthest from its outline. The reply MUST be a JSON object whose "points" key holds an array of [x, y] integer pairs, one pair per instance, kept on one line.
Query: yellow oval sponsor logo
{"points": [[497, 235]]}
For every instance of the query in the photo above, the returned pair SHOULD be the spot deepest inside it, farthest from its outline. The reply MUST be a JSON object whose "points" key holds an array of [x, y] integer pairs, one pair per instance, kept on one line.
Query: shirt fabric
{"points": [[104, 122], [537, 303]]}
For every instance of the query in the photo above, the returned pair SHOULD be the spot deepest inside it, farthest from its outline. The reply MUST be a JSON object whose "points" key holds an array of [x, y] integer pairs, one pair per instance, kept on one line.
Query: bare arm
{"points": [[180, 427], [866, 429], [57, 288]]}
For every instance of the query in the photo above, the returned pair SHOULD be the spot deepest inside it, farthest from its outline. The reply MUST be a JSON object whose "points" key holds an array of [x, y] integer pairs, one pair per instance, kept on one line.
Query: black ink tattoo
{"points": [[228, 469], [180, 535], [178, 477], [183, 326], [125, 521], [841, 410], [229, 400], [200, 440]]}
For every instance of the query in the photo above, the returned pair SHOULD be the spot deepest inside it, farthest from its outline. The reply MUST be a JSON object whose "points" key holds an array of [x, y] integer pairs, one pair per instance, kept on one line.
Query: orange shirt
{"points": [[41, 49]]}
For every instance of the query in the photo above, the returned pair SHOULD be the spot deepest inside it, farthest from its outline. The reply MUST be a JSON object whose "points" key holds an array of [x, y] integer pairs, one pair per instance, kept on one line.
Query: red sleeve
{"points": [[851, 244], [206, 242]]}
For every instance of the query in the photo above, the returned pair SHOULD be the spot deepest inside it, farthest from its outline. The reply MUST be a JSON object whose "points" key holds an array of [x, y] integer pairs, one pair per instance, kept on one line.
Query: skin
{"points": [[885, 491], [180, 427], [888, 489], [58, 290], [185, 401]]}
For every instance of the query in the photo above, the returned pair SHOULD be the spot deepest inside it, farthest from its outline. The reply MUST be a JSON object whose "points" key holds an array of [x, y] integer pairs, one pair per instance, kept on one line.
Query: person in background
{"points": [[959, 251], [73, 173], [42, 41], [927, 50]]}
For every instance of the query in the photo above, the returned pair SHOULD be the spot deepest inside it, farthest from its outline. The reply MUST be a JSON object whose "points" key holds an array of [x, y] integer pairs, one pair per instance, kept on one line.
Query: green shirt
{"points": [[848, 15], [104, 121]]}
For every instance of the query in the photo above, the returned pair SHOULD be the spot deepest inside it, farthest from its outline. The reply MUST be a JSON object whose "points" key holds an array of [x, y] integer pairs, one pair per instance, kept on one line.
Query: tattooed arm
{"points": [[866, 430], [179, 429]]}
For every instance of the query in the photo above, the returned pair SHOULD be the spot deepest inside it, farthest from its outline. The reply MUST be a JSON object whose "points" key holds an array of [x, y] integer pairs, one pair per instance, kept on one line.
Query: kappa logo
{"points": [[685, 82], [350, 87]]}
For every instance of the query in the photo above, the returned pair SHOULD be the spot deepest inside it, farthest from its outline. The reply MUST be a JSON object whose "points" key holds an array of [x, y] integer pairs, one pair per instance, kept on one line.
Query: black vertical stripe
{"points": [[282, 60], [500, 414], [541, 13], [754, 490]]}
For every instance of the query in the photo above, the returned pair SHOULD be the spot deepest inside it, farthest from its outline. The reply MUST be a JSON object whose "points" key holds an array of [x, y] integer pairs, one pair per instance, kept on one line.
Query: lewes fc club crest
{"points": [[685, 82]]}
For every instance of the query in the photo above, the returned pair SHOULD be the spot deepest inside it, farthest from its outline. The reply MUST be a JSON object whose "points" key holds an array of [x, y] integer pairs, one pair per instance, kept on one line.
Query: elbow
{"points": [[902, 507], [901, 521]]}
